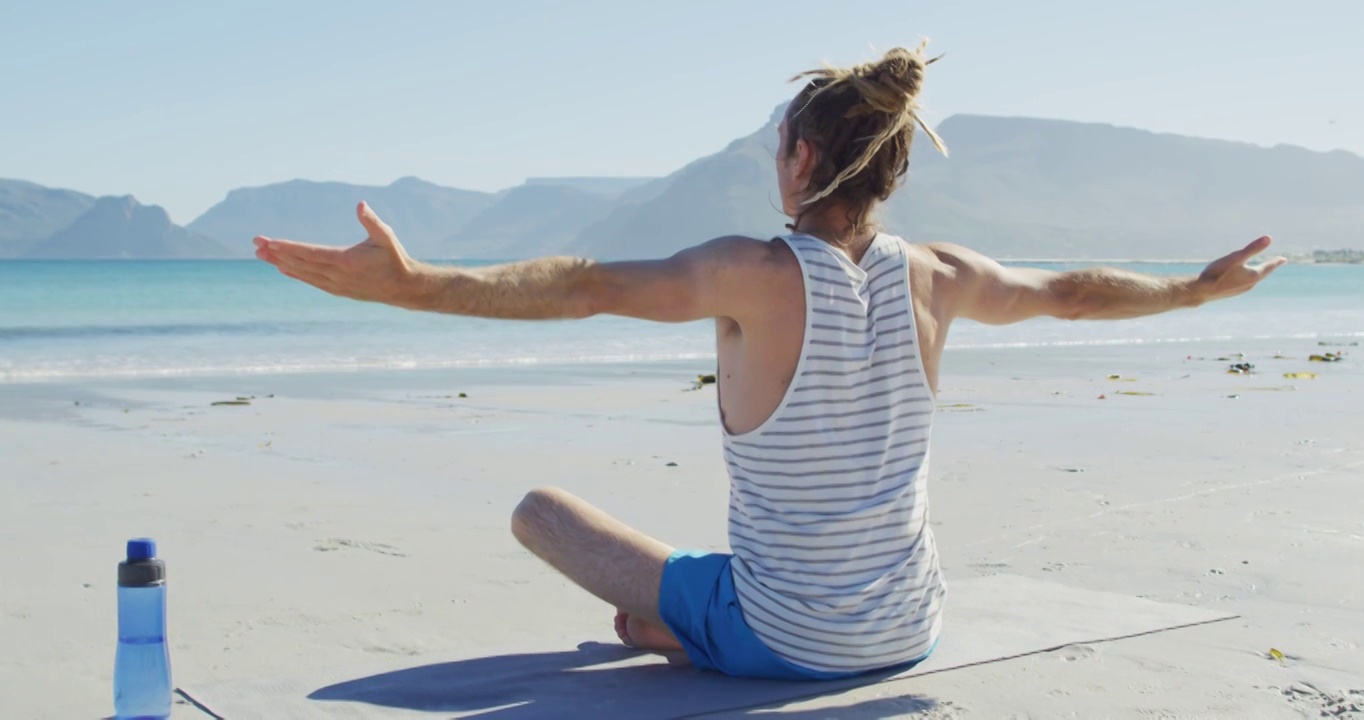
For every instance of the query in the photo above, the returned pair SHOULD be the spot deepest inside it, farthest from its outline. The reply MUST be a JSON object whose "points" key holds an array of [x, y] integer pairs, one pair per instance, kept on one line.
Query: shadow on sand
{"points": [[590, 682]]}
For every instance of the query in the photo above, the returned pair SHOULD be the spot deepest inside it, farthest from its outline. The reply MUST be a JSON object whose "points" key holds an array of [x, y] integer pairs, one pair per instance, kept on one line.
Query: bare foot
{"points": [[643, 635]]}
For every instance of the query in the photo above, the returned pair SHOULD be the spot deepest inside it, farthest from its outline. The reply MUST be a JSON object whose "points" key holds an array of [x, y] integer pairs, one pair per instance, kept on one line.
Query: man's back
{"points": [[757, 359], [835, 567]]}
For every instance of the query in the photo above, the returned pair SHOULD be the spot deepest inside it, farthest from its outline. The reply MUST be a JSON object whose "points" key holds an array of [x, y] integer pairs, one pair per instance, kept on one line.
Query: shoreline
{"points": [[610, 368]]}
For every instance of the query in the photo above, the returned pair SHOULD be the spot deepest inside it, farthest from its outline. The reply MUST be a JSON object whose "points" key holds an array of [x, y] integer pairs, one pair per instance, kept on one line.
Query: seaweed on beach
{"points": [[238, 401], [961, 407], [702, 381]]}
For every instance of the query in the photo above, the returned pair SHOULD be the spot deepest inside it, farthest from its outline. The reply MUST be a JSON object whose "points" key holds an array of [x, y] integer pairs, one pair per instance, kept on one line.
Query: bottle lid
{"points": [[141, 549], [142, 568]]}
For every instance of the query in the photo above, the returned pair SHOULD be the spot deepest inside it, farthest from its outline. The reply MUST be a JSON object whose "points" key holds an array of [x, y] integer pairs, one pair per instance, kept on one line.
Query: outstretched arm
{"points": [[991, 293], [714, 279]]}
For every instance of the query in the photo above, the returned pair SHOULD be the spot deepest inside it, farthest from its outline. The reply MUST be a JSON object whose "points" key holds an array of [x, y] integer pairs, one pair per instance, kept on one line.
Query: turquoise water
{"points": [[61, 320]]}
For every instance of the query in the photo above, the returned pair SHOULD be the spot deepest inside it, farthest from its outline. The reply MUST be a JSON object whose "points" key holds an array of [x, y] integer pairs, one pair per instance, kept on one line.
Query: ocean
{"points": [[69, 320]]}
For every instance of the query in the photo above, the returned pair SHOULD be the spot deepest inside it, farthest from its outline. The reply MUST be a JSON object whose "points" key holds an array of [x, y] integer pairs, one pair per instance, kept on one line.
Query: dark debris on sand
{"points": [[239, 401]]}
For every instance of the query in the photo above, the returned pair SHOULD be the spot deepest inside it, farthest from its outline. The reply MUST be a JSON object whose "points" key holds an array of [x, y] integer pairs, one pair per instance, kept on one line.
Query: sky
{"points": [[179, 103]]}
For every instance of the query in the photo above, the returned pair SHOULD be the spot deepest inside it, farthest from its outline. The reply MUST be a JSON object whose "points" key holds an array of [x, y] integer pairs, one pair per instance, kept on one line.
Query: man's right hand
{"points": [[377, 269]]}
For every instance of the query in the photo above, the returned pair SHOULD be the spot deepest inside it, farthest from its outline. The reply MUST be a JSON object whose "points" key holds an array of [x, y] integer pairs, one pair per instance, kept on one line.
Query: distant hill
{"points": [[529, 220], [1017, 187], [123, 228], [29, 213], [423, 214], [598, 185], [731, 192]]}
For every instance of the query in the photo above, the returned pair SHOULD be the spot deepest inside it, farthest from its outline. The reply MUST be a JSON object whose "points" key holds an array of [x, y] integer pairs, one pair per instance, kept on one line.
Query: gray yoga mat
{"points": [[988, 619]]}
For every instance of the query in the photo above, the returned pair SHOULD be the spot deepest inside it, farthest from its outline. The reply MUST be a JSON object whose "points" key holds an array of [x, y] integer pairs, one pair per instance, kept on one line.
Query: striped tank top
{"points": [[834, 562]]}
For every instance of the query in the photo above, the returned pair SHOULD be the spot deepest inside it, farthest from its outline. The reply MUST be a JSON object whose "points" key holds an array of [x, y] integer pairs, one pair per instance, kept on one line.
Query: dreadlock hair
{"points": [[860, 122]]}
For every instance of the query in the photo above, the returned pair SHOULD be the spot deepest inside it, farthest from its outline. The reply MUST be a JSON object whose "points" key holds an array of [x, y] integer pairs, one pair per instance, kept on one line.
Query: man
{"points": [[828, 342]]}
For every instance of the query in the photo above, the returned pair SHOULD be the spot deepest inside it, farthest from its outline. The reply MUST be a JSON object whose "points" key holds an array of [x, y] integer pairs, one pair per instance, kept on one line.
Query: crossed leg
{"points": [[603, 556]]}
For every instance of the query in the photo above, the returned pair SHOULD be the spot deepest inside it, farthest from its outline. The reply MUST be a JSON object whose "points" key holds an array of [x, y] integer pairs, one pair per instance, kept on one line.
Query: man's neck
{"points": [[831, 227]]}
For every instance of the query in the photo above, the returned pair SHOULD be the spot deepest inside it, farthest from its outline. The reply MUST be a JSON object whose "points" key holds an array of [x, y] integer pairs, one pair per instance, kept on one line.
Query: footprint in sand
{"points": [[1328, 704], [338, 543], [1072, 653], [377, 649], [1342, 644]]}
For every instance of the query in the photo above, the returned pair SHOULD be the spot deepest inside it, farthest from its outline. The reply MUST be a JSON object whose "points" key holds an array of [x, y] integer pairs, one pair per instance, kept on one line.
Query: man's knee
{"points": [[534, 513]]}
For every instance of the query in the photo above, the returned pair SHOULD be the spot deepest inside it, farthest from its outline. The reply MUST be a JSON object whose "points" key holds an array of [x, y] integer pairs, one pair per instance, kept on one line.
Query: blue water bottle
{"points": [[142, 678]]}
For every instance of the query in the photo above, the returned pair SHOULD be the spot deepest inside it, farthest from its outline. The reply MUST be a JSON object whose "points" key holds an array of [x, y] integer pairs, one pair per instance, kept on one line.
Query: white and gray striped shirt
{"points": [[834, 561]]}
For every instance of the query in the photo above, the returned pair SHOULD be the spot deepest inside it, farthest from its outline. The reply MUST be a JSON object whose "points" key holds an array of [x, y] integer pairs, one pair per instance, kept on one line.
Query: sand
{"points": [[351, 518]]}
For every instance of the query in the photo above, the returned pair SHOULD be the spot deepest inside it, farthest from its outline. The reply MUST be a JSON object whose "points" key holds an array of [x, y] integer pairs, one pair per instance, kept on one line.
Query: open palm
{"points": [[377, 269], [1232, 275]]}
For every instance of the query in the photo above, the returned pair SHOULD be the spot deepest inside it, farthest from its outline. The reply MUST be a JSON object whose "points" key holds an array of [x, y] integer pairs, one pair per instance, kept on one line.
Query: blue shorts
{"points": [[698, 603]]}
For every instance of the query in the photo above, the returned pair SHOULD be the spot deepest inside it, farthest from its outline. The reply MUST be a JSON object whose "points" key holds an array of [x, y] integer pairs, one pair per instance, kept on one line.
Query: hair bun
{"points": [[891, 84]]}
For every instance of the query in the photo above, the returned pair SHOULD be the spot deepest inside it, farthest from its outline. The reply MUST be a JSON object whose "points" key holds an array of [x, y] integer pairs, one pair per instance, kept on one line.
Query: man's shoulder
{"points": [[746, 243], [939, 255], [941, 269], [745, 251]]}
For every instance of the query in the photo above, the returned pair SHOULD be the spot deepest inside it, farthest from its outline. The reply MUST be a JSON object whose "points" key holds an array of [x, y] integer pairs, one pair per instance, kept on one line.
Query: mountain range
{"points": [[1012, 187], [421, 213]]}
